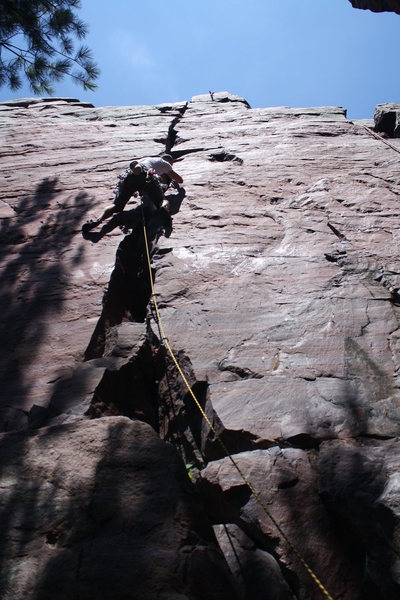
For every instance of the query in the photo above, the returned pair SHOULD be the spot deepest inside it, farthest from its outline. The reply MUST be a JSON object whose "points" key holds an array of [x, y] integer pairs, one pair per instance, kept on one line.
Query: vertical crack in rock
{"points": [[131, 390], [172, 133], [129, 289], [146, 385], [180, 420]]}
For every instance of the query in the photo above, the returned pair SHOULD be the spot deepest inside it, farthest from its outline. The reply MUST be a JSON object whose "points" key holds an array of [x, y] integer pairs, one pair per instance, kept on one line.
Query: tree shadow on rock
{"points": [[353, 475], [32, 287], [334, 493], [35, 511], [360, 527], [137, 530]]}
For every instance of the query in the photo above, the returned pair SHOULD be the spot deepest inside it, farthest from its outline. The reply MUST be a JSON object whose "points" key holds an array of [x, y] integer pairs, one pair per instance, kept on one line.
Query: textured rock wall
{"points": [[278, 290], [377, 5]]}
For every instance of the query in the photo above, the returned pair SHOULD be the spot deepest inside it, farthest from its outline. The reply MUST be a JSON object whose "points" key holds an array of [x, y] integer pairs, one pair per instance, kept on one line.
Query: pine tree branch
{"points": [[47, 52], [87, 84]]}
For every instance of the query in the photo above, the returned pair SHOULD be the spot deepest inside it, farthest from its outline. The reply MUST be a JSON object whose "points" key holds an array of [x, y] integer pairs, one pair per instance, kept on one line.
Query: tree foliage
{"points": [[37, 41]]}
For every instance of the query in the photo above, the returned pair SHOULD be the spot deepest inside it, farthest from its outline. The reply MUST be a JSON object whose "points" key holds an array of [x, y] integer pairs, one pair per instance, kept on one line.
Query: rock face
{"points": [[377, 5], [91, 506], [278, 290]]}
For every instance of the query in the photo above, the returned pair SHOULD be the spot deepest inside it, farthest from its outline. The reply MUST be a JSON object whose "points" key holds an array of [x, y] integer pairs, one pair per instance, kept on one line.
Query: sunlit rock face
{"points": [[278, 291], [377, 5]]}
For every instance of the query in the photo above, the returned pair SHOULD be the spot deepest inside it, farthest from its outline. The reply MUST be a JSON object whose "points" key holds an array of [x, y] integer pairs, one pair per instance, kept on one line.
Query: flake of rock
{"points": [[255, 570], [284, 481], [387, 119], [377, 5], [101, 386], [360, 484], [103, 509]]}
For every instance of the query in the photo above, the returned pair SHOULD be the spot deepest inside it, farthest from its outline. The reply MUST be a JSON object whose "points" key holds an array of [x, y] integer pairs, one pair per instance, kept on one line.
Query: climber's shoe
{"points": [[89, 225], [167, 222], [92, 236]]}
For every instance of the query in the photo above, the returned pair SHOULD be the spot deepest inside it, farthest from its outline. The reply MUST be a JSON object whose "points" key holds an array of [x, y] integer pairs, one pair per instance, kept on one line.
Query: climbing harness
{"points": [[256, 495]]}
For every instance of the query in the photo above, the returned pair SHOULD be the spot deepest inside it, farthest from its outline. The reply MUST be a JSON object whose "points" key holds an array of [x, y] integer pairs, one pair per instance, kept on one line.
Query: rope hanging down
{"points": [[256, 495]]}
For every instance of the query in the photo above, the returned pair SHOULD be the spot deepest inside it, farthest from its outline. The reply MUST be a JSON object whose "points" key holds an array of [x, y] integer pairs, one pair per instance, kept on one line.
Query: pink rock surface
{"points": [[60, 162], [278, 288], [87, 509], [285, 267]]}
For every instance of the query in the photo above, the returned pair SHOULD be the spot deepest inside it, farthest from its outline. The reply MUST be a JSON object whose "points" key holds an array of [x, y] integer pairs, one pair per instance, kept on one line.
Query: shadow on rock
{"points": [[355, 478], [32, 288], [347, 508], [102, 533], [32, 284], [331, 489], [129, 289]]}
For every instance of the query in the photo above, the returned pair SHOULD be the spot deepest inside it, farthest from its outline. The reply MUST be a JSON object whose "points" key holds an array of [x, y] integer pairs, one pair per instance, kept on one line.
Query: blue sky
{"points": [[271, 52]]}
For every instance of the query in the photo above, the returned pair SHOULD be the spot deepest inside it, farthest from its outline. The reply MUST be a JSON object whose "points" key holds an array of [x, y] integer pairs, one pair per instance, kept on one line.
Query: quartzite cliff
{"points": [[278, 292]]}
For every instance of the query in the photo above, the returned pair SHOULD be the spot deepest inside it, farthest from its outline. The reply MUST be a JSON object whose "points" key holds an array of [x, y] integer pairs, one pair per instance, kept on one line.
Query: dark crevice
{"points": [[128, 291], [303, 441], [223, 156], [180, 419], [375, 436], [172, 134], [177, 154], [226, 99], [132, 390], [241, 372]]}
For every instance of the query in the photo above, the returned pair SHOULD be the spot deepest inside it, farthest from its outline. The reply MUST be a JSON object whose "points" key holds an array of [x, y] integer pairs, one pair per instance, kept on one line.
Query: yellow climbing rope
{"points": [[256, 495]]}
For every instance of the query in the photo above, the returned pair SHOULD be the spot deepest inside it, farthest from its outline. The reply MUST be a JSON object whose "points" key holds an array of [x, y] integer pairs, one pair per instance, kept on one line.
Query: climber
{"points": [[150, 176], [163, 171], [159, 219]]}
